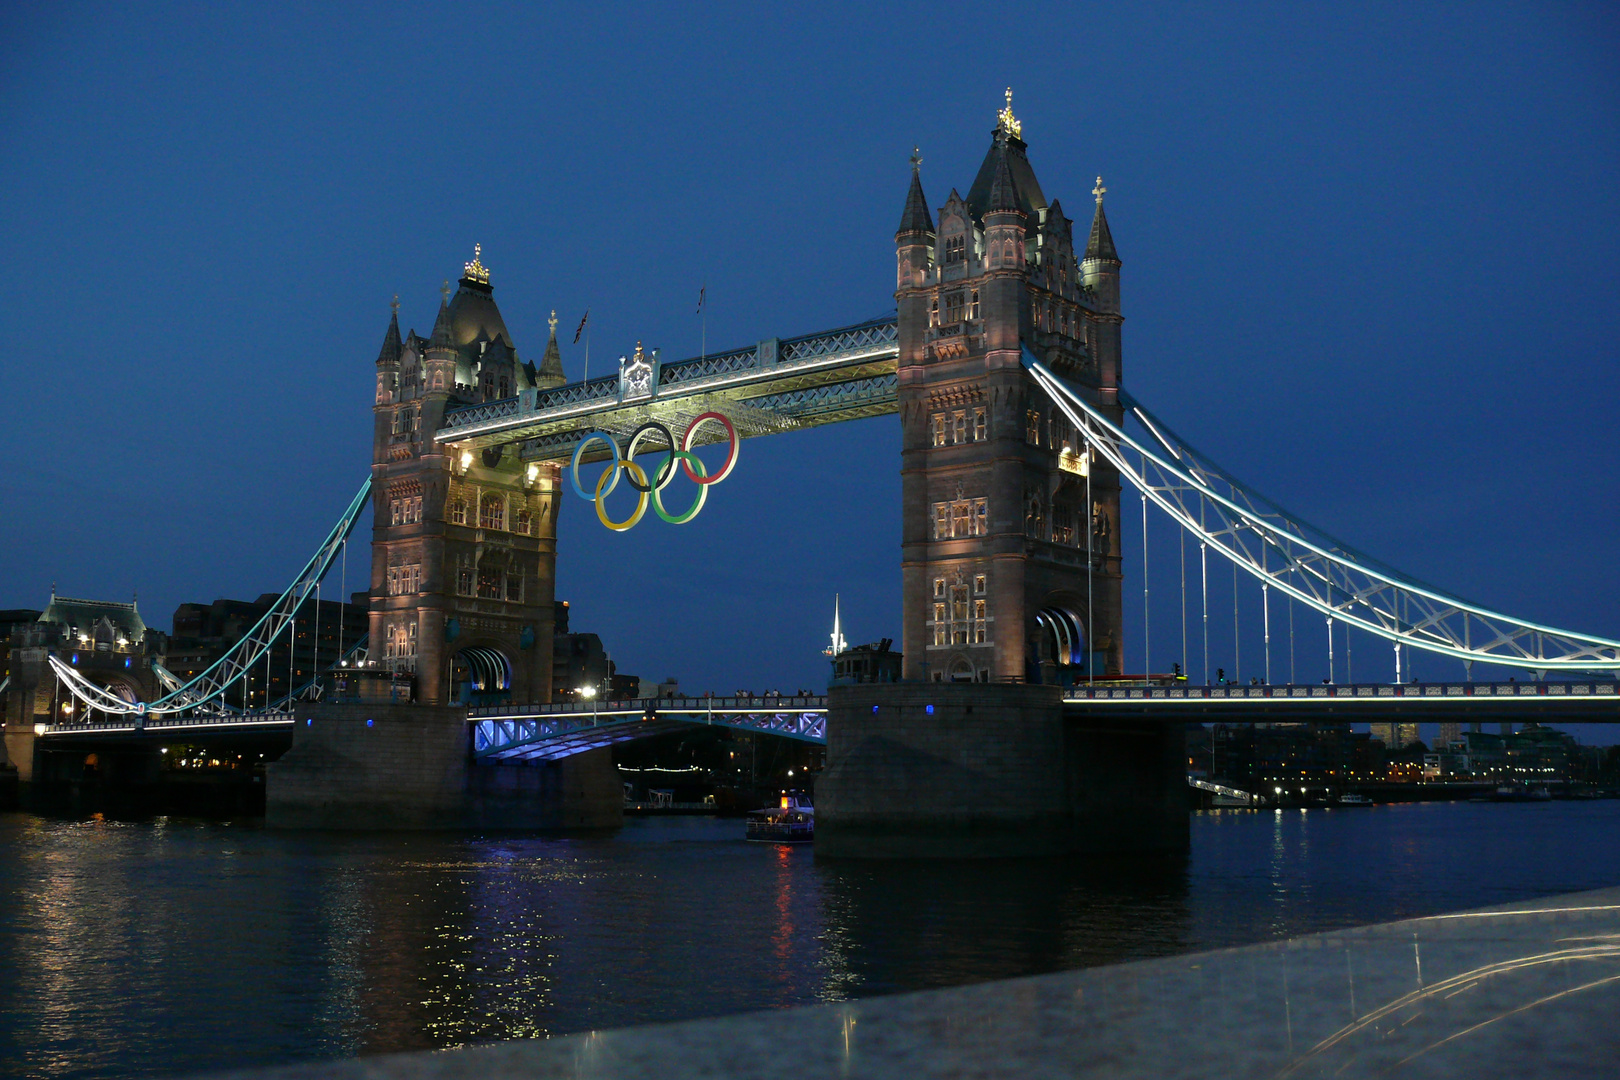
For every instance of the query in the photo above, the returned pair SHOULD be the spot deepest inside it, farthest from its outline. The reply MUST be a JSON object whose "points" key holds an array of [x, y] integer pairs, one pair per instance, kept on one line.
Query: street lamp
{"points": [[590, 692]]}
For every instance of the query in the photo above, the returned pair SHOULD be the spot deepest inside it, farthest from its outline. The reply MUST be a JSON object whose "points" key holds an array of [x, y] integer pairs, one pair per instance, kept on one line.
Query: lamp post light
{"points": [[590, 692]]}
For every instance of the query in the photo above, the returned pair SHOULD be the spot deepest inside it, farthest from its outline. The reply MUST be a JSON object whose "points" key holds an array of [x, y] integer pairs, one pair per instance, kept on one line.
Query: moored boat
{"points": [[791, 821]]}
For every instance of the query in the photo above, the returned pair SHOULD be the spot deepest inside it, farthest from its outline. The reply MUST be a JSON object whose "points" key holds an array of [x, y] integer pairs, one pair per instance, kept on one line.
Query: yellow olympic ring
{"points": [[637, 474]]}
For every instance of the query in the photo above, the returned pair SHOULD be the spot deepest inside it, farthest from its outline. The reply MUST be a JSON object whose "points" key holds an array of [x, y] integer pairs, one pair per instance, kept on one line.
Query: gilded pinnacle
{"points": [[477, 271], [1099, 191], [916, 158], [395, 304], [553, 322], [1005, 120]]}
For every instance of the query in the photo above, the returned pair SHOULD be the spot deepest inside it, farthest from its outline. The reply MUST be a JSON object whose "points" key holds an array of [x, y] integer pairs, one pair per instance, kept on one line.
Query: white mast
{"points": [[838, 642]]}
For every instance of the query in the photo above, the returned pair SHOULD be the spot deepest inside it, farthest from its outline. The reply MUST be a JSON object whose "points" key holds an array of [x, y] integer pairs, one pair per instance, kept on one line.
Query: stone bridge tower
{"points": [[464, 544], [1002, 510]]}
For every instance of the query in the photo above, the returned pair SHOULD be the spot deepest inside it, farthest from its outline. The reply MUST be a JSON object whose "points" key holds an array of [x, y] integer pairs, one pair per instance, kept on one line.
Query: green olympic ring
{"points": [[679, 452]]}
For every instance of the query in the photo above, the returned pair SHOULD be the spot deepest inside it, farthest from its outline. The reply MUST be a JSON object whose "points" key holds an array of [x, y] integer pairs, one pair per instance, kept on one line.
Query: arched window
{"points": [[458, 512], [492, 512], [522, 522]]}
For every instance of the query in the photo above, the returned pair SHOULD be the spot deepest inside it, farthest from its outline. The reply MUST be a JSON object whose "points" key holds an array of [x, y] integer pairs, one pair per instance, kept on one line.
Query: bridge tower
{"points": [[1002, 510], [464, 546]]}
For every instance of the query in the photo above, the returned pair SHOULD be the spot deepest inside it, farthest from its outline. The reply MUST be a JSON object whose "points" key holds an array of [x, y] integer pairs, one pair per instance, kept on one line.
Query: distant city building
{"points": [[580, 662], [873, 663], [1394, 736], [1450, 734], [320, 637]]}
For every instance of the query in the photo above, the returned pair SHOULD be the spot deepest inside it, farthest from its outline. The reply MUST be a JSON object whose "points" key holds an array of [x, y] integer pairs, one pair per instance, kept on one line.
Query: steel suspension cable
{"points": [[1147, 663], [1181, 540]]}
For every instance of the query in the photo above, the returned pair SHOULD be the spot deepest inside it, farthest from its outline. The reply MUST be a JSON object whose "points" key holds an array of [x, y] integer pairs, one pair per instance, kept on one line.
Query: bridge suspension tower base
{"points": [[408, 766], [980, 770]]}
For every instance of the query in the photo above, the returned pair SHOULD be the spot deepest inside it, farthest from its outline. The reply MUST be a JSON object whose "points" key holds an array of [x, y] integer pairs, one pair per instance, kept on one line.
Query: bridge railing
{"points": [[178, 724], [1370, 692]]}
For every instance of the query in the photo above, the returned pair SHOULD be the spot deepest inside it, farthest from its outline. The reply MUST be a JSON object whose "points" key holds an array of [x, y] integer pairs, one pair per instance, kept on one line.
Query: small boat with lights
{"points": [[791, 821], [1353, 798]]}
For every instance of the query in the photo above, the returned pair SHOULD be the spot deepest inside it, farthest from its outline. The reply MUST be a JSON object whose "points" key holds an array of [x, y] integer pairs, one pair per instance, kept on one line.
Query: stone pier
{"points": [[357, 766], [973, 770]]}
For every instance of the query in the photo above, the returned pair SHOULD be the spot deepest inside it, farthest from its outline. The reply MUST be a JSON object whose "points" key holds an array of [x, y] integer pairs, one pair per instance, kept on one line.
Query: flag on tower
{"points": [[701, 291], [580, 329]]}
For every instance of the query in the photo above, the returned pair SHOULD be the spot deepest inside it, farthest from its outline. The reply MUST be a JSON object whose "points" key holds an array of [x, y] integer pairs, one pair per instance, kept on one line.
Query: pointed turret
{"points": [[1003, 191], [392, 347], [915, 218], [1100, 246], [551, 369], [914, 240], [441, 337]]}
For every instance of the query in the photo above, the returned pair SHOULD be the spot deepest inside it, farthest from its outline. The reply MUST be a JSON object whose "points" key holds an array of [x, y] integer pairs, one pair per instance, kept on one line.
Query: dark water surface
{"points": [[131, 949]]}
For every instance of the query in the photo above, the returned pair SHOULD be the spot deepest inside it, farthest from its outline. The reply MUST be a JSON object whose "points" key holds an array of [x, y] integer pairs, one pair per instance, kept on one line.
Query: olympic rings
{"points": [[652, 489]]}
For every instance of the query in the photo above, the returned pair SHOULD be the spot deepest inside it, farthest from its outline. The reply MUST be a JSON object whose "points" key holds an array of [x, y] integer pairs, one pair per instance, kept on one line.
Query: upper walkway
{"points": [[774, 385]]}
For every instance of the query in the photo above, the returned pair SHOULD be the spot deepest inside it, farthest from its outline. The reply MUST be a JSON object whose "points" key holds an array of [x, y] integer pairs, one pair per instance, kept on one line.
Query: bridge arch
{"points": [[480, 674], [1060, 652]]}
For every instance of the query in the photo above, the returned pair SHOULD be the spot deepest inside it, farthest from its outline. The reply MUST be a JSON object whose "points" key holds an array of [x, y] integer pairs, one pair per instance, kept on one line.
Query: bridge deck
{"points": [[779, 384]]}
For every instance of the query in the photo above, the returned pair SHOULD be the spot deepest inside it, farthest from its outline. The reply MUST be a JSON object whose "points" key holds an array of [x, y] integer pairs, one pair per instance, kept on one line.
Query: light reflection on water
{"points": [[172, 946]]}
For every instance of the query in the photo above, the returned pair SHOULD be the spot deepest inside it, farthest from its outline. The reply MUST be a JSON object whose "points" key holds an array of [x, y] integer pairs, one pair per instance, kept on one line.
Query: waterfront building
{"points": [[1010, 546], [106, 640]]}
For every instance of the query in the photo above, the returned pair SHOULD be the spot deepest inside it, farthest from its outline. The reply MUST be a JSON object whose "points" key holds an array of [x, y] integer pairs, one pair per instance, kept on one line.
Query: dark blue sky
{"points": [[1371, 264]]}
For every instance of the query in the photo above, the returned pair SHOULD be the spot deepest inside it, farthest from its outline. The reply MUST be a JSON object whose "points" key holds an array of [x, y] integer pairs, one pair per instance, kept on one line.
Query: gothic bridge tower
{"points": [[1011, 542], [464, 545]]}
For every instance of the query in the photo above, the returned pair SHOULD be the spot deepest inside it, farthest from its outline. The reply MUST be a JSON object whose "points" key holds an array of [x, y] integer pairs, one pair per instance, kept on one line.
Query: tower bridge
{"points": [[1004, 363]]}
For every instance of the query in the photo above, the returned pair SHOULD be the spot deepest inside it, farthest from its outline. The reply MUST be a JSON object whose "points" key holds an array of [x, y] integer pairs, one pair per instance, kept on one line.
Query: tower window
{"points": [[523, 522], [939, 429], [458, 512], [973, 306], [939, 587], [953, 307], [979, 426], [961, 518], [959, 429], [492, 512]]}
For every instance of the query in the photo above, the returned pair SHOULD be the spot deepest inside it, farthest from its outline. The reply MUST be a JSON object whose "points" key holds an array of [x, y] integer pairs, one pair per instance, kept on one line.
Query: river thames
{"points": [[173, 946]]}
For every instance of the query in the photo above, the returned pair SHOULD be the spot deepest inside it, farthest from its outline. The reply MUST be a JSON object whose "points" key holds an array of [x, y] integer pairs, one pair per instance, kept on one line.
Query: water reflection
{"points": [[166, 947]]}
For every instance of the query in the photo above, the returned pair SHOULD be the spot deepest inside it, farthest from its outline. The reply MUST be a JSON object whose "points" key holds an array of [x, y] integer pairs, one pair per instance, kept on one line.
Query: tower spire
{"points": [[838, 642], [915, 218], [551, 369], [1005, 121], [1100, 245]]}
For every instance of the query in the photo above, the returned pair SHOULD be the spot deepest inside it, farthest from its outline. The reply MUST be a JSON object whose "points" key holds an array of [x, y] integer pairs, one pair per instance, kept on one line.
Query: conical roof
{"points": [[1101, 243], [1003, 196], [551, 369], [392, 347], [1008, 147], [915, 218], [441, 337]]}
